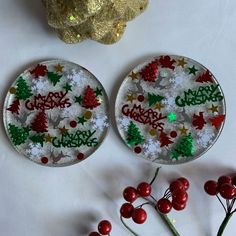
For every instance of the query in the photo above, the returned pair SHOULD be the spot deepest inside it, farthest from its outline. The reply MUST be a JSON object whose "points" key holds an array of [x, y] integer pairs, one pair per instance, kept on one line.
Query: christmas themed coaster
{"points": [[56, 113], [170, 110]]}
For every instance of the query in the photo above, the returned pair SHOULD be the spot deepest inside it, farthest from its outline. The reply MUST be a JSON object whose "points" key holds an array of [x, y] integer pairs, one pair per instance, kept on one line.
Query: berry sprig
{"points": [[224, 188], [176, 191], [104, 228]]}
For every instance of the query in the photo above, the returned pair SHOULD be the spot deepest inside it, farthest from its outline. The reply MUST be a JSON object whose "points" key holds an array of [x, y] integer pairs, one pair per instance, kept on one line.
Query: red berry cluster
{"points": [[130, 194], [225, 186], [104, 228], [178, 192]]}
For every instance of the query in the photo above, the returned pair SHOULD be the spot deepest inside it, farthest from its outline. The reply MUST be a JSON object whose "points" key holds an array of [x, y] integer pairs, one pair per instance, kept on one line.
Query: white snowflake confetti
{"points": [[100, 122], [205, 137], [169, 102], [152, 147], [39, 85], [34, 150], [124, 122], [70, 111], [75, 76]]}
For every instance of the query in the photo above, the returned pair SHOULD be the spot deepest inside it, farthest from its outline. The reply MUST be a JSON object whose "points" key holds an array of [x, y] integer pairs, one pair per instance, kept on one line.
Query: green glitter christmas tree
{"points": [[23, 91], [184, 148], [54, 77], [18, 135], [134, 136]]}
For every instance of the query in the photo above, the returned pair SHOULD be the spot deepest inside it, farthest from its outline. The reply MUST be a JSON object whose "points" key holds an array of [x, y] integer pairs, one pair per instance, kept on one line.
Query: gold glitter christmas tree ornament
{"points": [[100, 20]]}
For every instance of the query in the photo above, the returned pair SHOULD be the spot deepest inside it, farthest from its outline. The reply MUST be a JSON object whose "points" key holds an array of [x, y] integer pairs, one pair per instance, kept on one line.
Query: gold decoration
{"points": [[88, 115], [133, 76], [153, 132], [100, 20], [48, 138], [182, 62], [159, 106], [12, 90], [213, 108], [63, 130], [130, 98], [59, 68], [183, 131]]}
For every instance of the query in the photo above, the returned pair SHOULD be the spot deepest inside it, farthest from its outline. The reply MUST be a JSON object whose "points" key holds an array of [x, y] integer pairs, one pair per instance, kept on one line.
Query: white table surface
{"points": [[70, 201]]}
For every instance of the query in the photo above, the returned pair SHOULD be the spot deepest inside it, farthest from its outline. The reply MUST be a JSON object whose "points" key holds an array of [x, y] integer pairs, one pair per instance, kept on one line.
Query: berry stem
{"points": [[168, 223], [127, 227], [155, 176], [221, 203], [224, 223], [232, 204]]}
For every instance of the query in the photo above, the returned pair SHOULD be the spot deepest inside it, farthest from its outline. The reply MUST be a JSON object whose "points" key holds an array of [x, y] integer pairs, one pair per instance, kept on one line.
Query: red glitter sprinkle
{"points": [[44, 160], [80, 156], [138, 150], [141, 98], [173, 134], [73, 124]]}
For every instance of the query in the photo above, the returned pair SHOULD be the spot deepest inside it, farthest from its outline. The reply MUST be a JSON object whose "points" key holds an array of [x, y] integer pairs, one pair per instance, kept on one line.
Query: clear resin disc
{"points": [[56, 113], [170, 110]]}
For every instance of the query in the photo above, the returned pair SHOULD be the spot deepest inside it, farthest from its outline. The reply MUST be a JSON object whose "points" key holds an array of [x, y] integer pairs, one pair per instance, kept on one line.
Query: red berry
{"points": [[185, 182], [224, 180], [178, 207], [211, 187], [130, 194], [176, 185], [94, 234], [227, 191], [104, 227], [180, 196], [164, 206], [127, 210], [144, 189], [139, 216]]}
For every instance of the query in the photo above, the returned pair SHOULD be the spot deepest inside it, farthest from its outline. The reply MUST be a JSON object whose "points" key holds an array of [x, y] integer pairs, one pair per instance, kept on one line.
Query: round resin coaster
{"points": [[170, 110], [56, 113]]}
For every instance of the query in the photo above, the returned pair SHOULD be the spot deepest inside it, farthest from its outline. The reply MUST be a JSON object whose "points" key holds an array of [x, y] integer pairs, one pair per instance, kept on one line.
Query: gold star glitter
{"points": [[63, 130], [159, 106], [213, 108], [183, 131], [182, 62], [59, 68], [99, 100], [133, 76], [130, 98], [48, 138]]}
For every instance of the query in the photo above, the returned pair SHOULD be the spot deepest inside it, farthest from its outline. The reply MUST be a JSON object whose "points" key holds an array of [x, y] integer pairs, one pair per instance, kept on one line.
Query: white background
{"points": [[41, 201]]}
